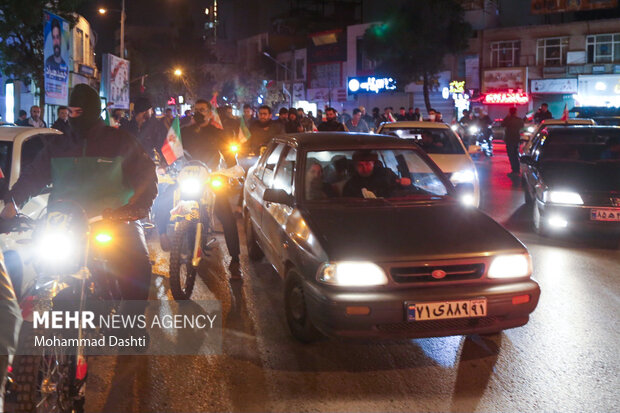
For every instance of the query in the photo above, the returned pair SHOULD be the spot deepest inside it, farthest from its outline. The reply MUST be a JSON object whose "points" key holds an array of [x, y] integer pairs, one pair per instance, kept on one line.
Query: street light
{"points": [[103, 11], [290, 95]]}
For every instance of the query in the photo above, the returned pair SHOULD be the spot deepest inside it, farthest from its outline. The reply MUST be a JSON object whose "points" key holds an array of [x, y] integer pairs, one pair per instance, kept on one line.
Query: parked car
{"points": [[18, 147], [400, 257], [572, 178], [444, 147]]}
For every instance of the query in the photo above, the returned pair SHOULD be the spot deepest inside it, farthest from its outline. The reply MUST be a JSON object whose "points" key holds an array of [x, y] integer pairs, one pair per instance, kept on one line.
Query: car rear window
{"points": [[581, 144], [432, 140]]}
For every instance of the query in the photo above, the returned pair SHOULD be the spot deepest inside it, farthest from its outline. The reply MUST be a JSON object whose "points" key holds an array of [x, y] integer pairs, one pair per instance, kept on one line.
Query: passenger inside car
{"points": [[316, 188], [370, 175]]}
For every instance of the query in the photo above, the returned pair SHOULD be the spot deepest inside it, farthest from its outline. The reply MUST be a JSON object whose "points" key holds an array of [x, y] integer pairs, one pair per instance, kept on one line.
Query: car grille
{"points": [[439, 325], [424, 273]]}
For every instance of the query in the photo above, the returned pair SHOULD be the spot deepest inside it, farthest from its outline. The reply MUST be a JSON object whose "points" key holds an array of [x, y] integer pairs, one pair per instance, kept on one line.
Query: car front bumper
{"points": [[387, 317], [577, 218]]}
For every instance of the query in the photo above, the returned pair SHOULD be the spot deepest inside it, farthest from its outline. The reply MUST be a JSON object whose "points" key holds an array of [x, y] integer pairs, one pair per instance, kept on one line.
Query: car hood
{"points": [[582, 176], [452, 163], [407, 233]]}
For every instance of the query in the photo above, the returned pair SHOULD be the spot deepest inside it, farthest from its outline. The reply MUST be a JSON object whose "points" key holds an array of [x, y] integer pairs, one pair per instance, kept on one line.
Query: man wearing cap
{"points": [[374, 178], [150, 133], [102, 169]]}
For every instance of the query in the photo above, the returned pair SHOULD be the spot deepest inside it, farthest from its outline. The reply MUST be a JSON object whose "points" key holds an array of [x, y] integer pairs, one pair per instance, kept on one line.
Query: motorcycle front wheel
{"points": [[182, 272]]}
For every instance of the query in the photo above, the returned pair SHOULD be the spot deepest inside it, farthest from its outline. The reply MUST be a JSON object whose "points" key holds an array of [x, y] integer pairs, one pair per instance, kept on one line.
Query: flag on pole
{"points": [[215, 119], [565, 113], [244, 132], [173, 146]]}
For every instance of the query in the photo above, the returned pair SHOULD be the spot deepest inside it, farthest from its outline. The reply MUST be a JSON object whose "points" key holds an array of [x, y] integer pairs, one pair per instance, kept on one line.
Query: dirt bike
{"points": [[192, 219], [69, 260]]}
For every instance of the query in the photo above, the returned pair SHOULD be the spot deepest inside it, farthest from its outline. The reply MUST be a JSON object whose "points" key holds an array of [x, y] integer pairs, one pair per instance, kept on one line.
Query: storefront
{"points": [[598, 90], [557, 93], [503, 88]]}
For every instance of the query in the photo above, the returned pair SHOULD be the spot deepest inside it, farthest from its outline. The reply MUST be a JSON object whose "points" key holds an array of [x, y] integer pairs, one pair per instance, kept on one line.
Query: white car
{"points": [[18, 147], [445, 148]]}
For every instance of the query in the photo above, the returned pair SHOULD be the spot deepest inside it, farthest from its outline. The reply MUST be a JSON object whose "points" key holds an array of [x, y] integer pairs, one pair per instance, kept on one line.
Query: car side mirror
{"points": [[527, 159], [278, 196], [474, 149]]}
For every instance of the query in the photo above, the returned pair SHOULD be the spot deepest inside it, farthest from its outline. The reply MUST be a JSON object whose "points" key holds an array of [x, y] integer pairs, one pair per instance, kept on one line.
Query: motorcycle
{"points": [[70, 263], [192, 219]]}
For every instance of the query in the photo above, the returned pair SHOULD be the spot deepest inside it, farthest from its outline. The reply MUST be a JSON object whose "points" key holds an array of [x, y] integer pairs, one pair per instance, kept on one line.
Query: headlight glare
{"points": [[473, 129], [352, 274], [510, 266], [191, 186], [563, 197], [454, 128], [55, 247], [461, 177], [531, 129]]}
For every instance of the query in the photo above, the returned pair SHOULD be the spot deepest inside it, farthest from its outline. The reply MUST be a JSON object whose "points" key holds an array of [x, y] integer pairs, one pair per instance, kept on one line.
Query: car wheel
{"points": [[537, 221], [296, 309], [254, 251]]}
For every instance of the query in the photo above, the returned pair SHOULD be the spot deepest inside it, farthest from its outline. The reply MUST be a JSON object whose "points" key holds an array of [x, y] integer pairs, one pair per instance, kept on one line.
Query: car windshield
{"points": [[581, 144], [397, 174], [432, 140]]}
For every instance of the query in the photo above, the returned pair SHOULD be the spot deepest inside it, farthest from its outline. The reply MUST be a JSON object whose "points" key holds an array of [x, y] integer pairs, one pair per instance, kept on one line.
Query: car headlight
{"points": [[56, 246], [352, 274], [465, 176], [473, 129], [563, 197], [191, 186], [510, 266]]}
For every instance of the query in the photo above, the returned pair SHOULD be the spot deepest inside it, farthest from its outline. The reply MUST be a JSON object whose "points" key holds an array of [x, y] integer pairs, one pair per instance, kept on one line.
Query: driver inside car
{"points": [[371, 179]]}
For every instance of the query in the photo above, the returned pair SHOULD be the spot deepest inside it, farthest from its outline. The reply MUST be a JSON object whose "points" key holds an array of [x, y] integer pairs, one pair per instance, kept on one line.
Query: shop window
{"points": [[505, 54], [603, 48], [79, 46], [551, 51]]}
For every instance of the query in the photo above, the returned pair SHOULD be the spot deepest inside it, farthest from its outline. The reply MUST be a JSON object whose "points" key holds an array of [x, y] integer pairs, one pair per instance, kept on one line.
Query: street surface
{"points": [[565, 359]]}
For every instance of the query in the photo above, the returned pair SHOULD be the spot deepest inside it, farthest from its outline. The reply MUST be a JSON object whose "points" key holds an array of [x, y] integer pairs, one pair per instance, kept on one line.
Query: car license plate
{"points": [[442, 310], [606, 214]]}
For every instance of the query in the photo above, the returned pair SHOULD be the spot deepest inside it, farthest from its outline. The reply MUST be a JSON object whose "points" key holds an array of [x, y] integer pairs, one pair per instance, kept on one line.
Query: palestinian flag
{"points": [[173, 146]]}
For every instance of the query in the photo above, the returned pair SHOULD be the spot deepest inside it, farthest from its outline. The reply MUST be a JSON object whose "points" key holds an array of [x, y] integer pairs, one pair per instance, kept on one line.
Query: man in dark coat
{"points": [[332, 124], [512, 135]]}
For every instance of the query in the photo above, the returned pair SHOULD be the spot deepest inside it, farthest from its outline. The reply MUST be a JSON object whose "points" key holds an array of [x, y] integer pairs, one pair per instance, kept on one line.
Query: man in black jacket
{"points": [[149, 132], [62, 123], [332, 124], [264, 129], [512, 125], [104, 170]]}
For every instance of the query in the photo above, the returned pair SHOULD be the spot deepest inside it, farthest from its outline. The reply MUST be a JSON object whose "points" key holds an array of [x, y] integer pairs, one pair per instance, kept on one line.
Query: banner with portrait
{"points": [[56, 54], [115, 81]]}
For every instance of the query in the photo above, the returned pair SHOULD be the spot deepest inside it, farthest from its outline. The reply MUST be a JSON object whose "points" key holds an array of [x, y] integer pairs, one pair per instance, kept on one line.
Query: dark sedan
{"points": [[372, 241], [572, 179]]}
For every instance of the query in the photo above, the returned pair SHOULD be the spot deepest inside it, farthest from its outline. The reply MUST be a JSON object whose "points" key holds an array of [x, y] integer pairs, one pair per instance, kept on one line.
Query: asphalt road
{"points": [[565, 359]]}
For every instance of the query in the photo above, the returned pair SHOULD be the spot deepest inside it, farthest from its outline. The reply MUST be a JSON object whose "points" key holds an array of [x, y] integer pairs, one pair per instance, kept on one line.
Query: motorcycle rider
{"points": [[204, 142], [10, 320], [102, 169], [149, 132]]}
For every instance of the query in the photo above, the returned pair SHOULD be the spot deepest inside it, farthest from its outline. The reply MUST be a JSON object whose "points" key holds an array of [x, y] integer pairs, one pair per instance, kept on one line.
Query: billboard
{"points": [[115, 81], [500, 80], [562, 6], [370, 84], [56, 53], [559, 86]]}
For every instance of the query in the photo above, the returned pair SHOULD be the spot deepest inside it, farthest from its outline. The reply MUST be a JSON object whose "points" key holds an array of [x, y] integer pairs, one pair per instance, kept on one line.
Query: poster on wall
{"points": [[499, 80], [115, 81], [56, 52], [558, 86], [563, 6]]}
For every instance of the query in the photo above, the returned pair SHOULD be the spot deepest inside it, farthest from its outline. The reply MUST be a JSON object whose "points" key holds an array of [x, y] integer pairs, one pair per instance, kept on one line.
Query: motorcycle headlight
{"points": [[473, 129], [103, 238], [352, 274], [191, 186], [56, 247], [531, 129], [465, 176], [563, 197], [234, 148], [510, 266], [217, 183], [454, 128]]}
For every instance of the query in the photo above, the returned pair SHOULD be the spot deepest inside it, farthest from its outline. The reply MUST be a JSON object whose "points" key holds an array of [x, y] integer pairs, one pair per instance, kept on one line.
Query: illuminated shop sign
{"points": [[502, 98], [457, 86], [370, 84]]}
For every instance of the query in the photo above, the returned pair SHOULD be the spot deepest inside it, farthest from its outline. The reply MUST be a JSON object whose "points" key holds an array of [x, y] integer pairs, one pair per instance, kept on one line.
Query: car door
{"points": [[530, 172], [276, 215]]}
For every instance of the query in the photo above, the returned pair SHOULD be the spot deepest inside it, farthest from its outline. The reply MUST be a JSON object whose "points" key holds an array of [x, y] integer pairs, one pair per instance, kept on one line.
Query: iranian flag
{"points": [[173, 147]]}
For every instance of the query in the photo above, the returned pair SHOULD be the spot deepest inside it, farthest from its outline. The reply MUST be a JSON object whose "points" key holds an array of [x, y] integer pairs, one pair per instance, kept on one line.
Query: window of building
{"points": [[79, 45], [603, 48], [551, 51], [86, 49], [505, 54]]}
